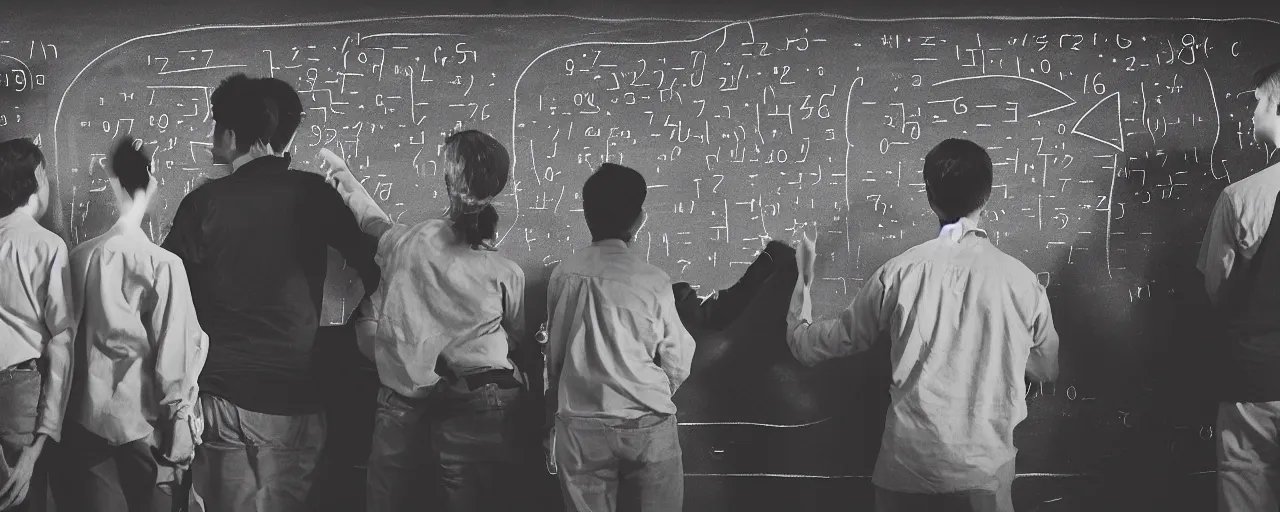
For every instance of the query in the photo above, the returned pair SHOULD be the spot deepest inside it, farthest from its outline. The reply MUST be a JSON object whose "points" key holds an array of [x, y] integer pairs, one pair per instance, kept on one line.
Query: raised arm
{"points": [[372, 220], [854, 331]]}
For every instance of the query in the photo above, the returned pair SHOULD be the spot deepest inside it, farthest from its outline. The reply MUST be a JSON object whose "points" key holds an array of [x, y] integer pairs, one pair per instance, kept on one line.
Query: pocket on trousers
{"points": [[19, 401]]}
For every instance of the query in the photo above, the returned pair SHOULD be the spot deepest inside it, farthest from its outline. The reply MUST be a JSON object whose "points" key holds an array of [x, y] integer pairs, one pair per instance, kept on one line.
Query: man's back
{"points": [[963, 318], [617, 348], [254, 245]]}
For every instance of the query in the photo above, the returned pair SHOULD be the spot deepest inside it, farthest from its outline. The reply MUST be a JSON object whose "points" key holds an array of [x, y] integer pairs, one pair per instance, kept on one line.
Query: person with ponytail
{"points": [[139, 350], [443, 327]]}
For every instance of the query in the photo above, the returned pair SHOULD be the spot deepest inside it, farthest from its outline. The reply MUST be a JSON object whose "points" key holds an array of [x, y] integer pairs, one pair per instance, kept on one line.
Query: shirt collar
{"points": [[957, 230], [262, 162], [610, 242]]}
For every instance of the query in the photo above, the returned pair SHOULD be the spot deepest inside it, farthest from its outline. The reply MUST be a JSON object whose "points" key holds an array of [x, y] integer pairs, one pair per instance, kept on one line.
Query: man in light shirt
{"points": [[1241, 267], [37, 324], [616, 353], [140, 350], [967, 323]]}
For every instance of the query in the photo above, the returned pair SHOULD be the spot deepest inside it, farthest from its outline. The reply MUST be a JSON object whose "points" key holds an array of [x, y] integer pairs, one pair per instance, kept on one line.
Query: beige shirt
{"points": [[140, 348], [36, 315], [616, 347], [967, 322], [1239, 221], [439, 300]]}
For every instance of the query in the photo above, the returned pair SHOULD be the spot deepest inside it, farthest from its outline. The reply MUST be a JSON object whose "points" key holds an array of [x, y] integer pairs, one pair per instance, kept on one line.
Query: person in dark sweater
{"points": [[255, 248]]}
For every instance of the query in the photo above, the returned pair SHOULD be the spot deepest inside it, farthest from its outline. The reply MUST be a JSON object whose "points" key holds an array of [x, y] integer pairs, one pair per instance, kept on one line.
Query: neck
{"points": [[132, 212], [32, 208], [974, 218]]}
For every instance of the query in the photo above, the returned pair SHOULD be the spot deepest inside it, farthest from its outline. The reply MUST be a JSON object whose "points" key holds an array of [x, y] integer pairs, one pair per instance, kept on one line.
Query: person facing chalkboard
{"points": [[1240, 259], [446, 331], [616, 353], [37, 323], [967, 323], [132, 415], [254, 245]]}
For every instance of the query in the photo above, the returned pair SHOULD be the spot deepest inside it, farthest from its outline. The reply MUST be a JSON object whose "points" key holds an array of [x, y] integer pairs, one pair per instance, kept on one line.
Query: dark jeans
{"points": [[466, 441], [999, 499], [629, 465], [19, 400], [90, 475], [255, 462]]}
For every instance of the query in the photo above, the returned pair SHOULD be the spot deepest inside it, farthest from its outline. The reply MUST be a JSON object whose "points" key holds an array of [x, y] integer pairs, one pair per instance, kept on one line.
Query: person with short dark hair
{"points": [[140, 349], [968, 325], [446, 330], [255, 247], [1241, 267], [37, 323], [616, 353]]}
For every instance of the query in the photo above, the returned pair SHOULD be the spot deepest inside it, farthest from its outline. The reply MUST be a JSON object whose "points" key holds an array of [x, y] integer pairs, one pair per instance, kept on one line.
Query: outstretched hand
{"points": [[330, 163]]}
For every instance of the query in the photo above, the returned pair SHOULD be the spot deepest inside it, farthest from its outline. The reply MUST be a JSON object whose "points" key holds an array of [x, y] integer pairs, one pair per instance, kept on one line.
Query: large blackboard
{"points": [[1111, 139]]}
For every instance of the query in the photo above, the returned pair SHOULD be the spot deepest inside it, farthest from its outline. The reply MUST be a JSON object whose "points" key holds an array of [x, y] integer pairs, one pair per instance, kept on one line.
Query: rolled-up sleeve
{"points": [[61, 320], [675, 350], [854, 331], [1219, 248], [180, 344], [372, 220]]}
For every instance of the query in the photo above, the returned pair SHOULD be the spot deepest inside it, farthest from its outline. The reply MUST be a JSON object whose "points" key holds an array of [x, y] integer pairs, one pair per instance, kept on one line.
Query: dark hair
{"points": [[19, 159], [1268, 76], [289, 109], [130, 165], [238, 105], [957, 177], [612, 199], [482, 168]]}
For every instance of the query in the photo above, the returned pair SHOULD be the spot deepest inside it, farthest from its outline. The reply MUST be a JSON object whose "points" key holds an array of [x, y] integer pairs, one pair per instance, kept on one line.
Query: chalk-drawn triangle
{"points": [[1102, 124], [36, 141]]}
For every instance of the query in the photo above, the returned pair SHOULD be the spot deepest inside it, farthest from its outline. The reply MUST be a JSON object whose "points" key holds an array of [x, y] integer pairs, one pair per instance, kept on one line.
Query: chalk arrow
{"points": [[1098, 120], [1058, 100]]}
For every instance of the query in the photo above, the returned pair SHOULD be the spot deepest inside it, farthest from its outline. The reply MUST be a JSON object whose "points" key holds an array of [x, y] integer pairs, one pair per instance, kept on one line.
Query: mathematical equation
{"points": [[759, 130], [25, 85]]}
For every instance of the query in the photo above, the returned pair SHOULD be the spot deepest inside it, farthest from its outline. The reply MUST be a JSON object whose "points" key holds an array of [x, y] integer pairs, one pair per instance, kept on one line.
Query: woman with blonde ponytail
{"points": [[442, 328]]}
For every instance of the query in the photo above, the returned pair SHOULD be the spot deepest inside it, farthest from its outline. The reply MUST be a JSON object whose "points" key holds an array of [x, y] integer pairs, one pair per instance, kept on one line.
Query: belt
{"points": [[505, 379]]}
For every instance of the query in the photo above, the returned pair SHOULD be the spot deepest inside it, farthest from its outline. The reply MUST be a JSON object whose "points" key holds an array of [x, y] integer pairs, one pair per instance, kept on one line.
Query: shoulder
{"points": [[1261, 186], [649, 277], [510, 269], [88, 250]]}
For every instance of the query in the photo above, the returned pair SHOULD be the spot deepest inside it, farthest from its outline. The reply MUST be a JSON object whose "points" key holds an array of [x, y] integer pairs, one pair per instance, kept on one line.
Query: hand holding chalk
{"points": [[331, 163], [806, 256]]}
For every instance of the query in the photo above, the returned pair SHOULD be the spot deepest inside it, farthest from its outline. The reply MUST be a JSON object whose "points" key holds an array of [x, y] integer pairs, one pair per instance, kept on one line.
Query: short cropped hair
{"points": [[19, 159], [612, 199], [241, 106], [957, 177], [130, 165], [1267, 79], [289, 109]]}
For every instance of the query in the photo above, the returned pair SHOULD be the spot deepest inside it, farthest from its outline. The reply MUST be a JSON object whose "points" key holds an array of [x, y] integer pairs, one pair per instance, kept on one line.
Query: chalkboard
{"points": [[1111, 139]]}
